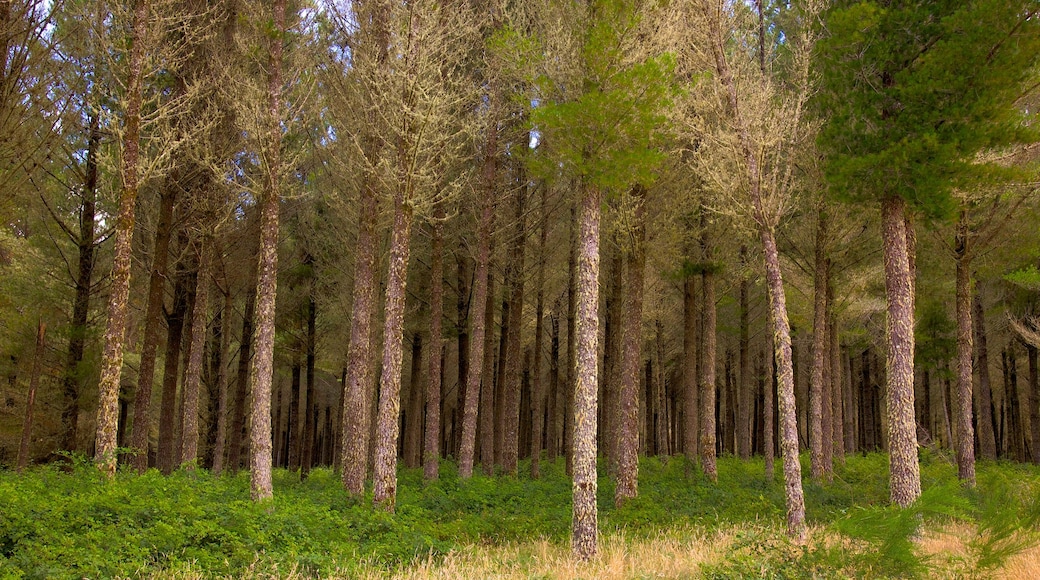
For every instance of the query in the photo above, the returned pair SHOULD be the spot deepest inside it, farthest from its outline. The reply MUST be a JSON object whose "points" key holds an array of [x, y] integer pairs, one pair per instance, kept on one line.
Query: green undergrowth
{"points": [[67, 522]]}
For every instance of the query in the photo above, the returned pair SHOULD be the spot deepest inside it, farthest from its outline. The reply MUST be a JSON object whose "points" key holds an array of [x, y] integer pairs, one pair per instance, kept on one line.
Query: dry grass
{"points": [[949, 546]]}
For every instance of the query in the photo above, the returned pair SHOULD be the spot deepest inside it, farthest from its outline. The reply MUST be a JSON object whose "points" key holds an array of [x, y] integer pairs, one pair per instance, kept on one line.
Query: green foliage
{"points": [[66, 522], [907, 113]]}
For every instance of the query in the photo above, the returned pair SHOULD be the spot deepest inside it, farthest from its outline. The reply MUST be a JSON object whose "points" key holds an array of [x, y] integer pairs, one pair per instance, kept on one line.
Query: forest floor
{"points": [[68, 523]]}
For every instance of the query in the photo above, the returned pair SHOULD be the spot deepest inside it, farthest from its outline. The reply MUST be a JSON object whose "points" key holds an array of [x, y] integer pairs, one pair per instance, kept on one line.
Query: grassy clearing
{"points": [[58, 524]]}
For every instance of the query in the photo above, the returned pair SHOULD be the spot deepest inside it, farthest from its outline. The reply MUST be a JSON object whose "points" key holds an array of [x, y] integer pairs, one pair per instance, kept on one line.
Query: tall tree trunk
{"points": [[168, 451], [245, 347], [431, 448], [904, 469], [388, 430], [413, 416], [570, 383], [556, 396], [610, 427], [462, 308], [631, 347], [293, 430], [511, 400], [193, 373], [112, 358], [73, 378], [584, 518], [480, 298], [743, 420], [706, 363], [30, 402], [965, 430], [1033, 399], [355, 404], [986, 429], [310, 426], [267, 275], [222, 384], [690, 422], [821, 338], [837, 388], [537, 384], [487, 382]]}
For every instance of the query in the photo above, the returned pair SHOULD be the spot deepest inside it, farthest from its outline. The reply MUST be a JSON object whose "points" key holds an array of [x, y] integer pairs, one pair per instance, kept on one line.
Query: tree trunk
{"points": [[1033, 399], [537, 384], [388, 430], [112, 357], [356, 403], [30, 403], [743, 422], [480, 299], [431, 447], [238, 425], [167, 452], [267, 275], [584, 518], [837, 388], [222, 385], [73, 378], [487, 382], [902, 432], [413, 413], [293, 431], [610, 427], [462, 308], [987, 437], [511, 398], [690, 422], [310, 426], [965, 430], [706, 366], [193, 373], [555, 392], [632, 333], [821, 338], [570, 383]]}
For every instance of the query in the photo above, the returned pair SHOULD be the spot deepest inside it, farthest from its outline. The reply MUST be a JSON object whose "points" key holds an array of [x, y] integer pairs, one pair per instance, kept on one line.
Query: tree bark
{"points": [[537, 384], [965, 430], [902, 432], [511, 399], [267, 275], [245, 347], [487, 382], [73, 377], [743, 423], [193, 373], [310, 426], [293, 430], [30, 403], [706, 365], [112, 357], [584, 518], [690, 422], [168, 451], [413, 415], [631, 348], [986, 429], [837, 388], [431, 448], [556, 396], [1033, 399], [821, 338], [222, 385], [388, 430], [462, 308]]}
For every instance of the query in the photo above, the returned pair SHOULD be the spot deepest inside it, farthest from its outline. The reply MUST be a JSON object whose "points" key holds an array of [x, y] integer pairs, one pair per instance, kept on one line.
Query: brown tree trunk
{"points": [[73, 377], [632, 333], [310, 426], [168, 451], [112, 357], [413, 413], [610, 398], [537, 385], [480, 298], [238, 424], [902, 432], [987, 438], [965, 430], [222, 385], [487, 382], [193, 373], [462, 308], [837, 388], [661, 398], [267, 275], [570, 382], [821, 337], [356, 404], [706, 366], [690, 419], [584, 518], [30, 403], [743, 420], [511, 398], [431, 447], [388, 425], [293, 430], [555, 395], [1033, 399]]}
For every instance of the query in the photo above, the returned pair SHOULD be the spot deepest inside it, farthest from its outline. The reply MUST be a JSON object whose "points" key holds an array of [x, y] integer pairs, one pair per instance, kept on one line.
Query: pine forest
{"points": [[520, 288]]}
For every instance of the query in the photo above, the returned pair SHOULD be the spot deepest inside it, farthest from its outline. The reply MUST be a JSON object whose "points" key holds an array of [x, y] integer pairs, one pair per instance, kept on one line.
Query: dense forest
{"points": [[518, 236]]}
